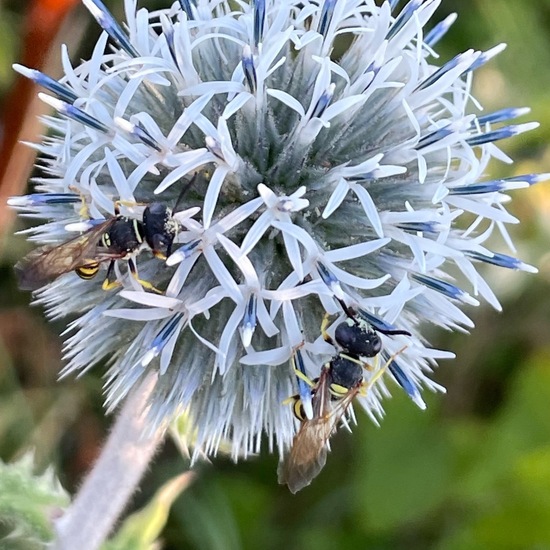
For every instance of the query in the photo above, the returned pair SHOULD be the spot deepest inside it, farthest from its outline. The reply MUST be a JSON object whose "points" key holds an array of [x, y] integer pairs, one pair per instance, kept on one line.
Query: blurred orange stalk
{"points": [[41, 28]]}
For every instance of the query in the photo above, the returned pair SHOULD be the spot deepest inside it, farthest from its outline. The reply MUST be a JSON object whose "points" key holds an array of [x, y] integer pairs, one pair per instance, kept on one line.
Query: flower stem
{"points": [[114, 477]]}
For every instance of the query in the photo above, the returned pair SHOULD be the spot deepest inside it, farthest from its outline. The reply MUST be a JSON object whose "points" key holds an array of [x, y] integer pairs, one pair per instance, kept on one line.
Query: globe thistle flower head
{"points": [[312, 162]]}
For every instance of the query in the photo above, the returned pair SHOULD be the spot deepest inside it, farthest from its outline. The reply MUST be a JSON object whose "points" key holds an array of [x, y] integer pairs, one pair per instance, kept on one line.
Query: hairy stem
{"points": [[113, 479]]}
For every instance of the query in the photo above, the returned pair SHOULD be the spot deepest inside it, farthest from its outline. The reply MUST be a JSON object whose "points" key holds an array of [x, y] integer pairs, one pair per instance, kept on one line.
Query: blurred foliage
{"points": [[140, 530], [472, 472], [28, 503]]}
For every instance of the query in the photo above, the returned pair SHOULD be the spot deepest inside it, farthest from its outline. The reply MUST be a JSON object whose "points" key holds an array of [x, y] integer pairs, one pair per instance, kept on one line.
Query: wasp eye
{"points": [[155, 209]]}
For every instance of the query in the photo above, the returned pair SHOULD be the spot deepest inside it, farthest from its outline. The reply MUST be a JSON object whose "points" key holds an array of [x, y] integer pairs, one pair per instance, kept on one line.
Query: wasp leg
{"points": [[107, 283], [356, 361], [83, 212], [299, 374], [160, 255], [301, 402], [145, 284], [382, 370], [374, 367], [299, 370], [324, 325], [129, 204]]}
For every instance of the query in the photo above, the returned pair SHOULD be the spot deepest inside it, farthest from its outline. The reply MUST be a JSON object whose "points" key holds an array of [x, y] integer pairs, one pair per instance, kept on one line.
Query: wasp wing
{"points": [[46, 263], [308, 454]]}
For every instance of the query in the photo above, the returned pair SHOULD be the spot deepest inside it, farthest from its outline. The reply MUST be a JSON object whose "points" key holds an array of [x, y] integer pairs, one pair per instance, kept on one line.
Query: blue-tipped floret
{"points": [[249, 70], [109, 24], [60, 90], [187, 7], [440, 30], [326, 16], [443, 287], [406, 13], [259, 21], [323, 102]]}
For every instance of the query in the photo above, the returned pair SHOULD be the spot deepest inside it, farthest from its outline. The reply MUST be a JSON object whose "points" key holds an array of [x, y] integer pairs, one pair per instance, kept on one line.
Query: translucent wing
{"points": [[308, 454], [47, 263]]}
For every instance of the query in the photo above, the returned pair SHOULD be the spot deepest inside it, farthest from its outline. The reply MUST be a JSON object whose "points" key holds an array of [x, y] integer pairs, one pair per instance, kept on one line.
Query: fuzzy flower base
{"points": [[318, 160]]}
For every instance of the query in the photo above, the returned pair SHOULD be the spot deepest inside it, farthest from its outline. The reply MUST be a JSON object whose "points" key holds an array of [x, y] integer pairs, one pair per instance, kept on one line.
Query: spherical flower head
{"points": [[274, 167]]}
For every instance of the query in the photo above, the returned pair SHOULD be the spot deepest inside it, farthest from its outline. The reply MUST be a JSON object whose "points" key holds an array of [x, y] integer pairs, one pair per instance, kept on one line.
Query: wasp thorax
{"points": [[345, 373], [124, 236]]}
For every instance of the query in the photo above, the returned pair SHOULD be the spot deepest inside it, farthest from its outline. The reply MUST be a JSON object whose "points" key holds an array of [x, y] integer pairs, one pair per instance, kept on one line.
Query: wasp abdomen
{"points": [[88, 271]]}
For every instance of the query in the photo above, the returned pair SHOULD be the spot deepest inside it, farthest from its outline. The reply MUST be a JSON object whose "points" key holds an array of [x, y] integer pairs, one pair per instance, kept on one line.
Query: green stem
{"points": [[114, 477]]}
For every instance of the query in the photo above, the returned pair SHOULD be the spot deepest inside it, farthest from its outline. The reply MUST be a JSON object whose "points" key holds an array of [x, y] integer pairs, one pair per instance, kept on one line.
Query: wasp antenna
{"points": [[348, 310], [392, 332], [381, 326], [183, 192]]}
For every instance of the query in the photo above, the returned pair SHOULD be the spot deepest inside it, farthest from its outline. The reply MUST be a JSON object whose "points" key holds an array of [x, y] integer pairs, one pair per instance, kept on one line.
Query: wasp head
{"points": [[160, 229], [358, 339]]}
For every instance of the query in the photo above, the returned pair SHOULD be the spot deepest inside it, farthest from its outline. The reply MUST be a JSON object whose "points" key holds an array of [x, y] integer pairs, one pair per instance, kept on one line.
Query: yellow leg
{"points": [[356, 361], [107, 283], [145, 284], [374, 366], [299, 373], [298, 407], [83, 212], [129, 204], [381, 371], [305, 378], [110, 285], [324, 333], [148, 286]]}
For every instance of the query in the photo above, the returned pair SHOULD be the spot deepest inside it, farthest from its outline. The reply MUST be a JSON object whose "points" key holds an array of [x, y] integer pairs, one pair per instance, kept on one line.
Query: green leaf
{"points": [[28, 505], [399, 479], [207, 517], [141, 530], [521, 427], [507, 489]]}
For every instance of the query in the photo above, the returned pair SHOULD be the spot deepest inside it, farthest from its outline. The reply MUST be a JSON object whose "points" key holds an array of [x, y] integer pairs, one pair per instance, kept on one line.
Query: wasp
{"points": [[117, 238], [340, 381]]}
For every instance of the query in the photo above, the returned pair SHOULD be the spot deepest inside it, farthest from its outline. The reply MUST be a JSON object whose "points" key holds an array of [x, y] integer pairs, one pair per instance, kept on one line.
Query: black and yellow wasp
{"points": [[340, 381], [116, 238]]}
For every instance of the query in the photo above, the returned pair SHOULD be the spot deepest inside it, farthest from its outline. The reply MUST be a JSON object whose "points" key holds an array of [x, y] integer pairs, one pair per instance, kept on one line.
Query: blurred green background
{"points": [[471, 472]]}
